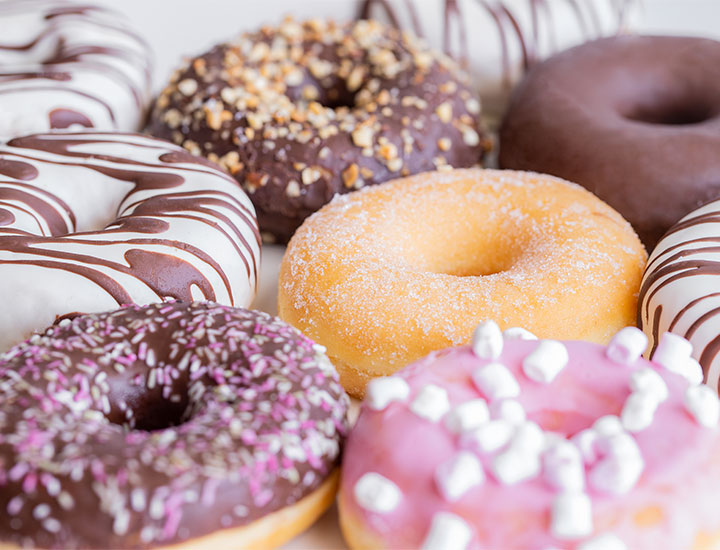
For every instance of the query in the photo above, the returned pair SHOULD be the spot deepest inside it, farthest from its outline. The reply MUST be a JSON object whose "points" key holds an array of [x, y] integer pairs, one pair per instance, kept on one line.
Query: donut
{"points": [[301, 112], [499, 40], [70, 65], [384, 276], [648, 111], [524, 444], [679, 291], [92, 221], [183, 425]]}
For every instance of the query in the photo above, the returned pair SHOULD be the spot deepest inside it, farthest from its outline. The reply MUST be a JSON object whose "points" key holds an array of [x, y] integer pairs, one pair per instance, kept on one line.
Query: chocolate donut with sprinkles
{"points": [[191, 425], [304, 111]]}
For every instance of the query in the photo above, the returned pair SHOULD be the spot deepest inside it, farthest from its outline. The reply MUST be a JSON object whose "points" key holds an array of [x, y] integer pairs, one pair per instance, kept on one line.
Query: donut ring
{"points": [[544, 445], [385, 276], [304, 111], [679, 292], [67, 64], [648, 109], [174, 425], [92, 221]]}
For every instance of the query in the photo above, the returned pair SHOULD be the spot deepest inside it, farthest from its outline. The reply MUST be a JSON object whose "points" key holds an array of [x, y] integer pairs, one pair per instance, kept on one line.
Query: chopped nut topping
{"points": [[444, 112], [444, 144], [363, 136], [350, 175], [188, 86], [292, 189]]}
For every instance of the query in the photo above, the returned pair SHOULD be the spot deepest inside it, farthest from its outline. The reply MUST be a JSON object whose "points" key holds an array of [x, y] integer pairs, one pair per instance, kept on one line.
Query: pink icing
{"points": [[676, 498]]}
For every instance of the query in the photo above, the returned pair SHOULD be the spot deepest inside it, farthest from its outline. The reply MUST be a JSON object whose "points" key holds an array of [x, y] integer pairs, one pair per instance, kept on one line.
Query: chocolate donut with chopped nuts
{"points": [[306, 110]]}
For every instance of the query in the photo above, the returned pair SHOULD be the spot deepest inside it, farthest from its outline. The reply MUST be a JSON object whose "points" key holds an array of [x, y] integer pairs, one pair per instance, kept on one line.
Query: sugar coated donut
{"points": [[680, 290], [69, 64], [648, 111], [91, 221], [170, 425], [303, 111], [534, 445], [384, 276]]}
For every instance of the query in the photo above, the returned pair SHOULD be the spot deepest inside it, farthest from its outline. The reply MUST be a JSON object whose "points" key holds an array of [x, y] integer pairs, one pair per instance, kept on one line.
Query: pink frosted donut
{"points": [[526, 444]]}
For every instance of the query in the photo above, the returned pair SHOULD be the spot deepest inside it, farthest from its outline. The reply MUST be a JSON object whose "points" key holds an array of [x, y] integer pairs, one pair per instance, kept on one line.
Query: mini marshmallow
{"points": [[546, 361], [672, 352], [608, 425], [647, 380], [638, 411], [496, 381], [376, 493], [431, 403], [448, 532], [489, 437], [487, 340], [458, 475], [468, 416], [618, 445], [571, 516], [606, 541], [515, 465], [693, 372], [616, 475], [585, 441], [529, 437], [627, 346], [703, 404], [508, 409], [518, 333], [563, 467], [383, 391]]}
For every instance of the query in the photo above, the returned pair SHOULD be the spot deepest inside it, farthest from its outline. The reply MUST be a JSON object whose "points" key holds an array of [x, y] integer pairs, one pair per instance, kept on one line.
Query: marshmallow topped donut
{"points": [[170, 425], [680, 291], [306, 110], [91, 221], [386, 275], [530, 445], [69, 65]]}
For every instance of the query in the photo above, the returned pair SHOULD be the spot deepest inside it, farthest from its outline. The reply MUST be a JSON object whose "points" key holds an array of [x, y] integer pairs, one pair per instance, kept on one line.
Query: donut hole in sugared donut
{"points": [[634, 119]]}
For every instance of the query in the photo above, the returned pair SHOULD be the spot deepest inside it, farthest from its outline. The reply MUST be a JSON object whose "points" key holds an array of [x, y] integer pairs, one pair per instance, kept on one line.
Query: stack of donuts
{"points": [[523, 375]]}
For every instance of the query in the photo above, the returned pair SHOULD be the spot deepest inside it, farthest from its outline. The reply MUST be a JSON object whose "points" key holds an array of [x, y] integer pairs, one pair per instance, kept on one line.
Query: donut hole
{"points": [[566, 422], [148, 410], [673, 113]]}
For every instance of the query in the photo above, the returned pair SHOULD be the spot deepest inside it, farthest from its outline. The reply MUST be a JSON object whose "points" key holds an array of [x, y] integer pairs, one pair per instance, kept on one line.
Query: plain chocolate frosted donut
{"points": [[635, 119]]}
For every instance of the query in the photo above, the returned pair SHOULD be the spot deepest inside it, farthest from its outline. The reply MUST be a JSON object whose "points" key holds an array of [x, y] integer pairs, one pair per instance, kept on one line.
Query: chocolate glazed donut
{"points": [[304, 111], [635, 119], [150, 427]]}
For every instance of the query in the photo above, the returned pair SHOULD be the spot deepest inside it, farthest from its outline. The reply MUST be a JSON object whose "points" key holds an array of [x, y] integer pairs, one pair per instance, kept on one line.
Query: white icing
{"points": [[109, 83]]}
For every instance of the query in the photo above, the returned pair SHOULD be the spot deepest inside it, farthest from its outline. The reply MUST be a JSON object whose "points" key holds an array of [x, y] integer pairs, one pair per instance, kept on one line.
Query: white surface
{"points": [[177, 28]]}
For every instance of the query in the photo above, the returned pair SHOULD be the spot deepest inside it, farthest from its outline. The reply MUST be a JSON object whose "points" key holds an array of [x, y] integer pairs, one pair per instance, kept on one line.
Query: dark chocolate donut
{"points": [[304, 111], [635, 119], [150, 426]]}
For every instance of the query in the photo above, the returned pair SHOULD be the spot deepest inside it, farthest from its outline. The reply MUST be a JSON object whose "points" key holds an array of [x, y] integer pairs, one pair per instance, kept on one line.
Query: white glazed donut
{"points": [[69, 65], [499, 39], [90, 221], [680, 291]]}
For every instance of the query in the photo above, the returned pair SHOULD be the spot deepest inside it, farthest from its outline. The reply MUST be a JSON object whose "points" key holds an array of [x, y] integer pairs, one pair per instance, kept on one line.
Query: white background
{"points": [[177, 28]]}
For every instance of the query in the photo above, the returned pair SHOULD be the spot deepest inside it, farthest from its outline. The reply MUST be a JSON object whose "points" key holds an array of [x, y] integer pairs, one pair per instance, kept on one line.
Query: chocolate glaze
{"points": [[297, 141], [635, 119], [143, 242], [150, 426]]}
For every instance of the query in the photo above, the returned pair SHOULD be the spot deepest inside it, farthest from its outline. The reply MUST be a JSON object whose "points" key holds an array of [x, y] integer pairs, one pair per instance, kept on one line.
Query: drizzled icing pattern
{"points": [[680, 291], [162, 424], [500, 39], [65, 64], [91, 221], [613, 452]]}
